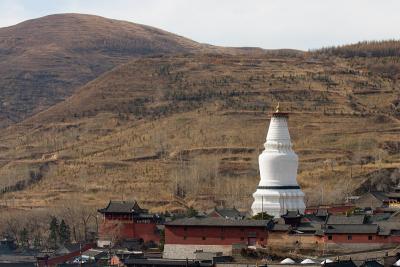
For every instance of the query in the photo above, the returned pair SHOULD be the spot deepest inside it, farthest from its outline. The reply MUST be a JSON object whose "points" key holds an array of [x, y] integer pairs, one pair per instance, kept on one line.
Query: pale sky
{"points": [[298, 24]]}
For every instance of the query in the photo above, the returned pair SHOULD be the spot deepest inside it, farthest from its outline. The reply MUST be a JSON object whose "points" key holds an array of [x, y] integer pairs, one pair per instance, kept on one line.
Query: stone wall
{"points": [[283, 241], [177, 251]]}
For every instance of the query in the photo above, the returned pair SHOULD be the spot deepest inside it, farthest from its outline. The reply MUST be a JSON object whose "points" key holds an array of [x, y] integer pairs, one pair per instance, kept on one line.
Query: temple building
{"points": [[126, 220], [278, 190]]}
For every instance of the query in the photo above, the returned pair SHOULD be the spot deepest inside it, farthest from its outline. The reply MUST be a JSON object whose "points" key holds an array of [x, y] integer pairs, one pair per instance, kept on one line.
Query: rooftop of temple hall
{"points": [[122, 207], [215, 221]]}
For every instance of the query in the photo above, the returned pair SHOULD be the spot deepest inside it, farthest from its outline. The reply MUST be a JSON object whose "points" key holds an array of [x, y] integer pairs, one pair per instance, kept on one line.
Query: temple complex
{"points": [[278, 190]]}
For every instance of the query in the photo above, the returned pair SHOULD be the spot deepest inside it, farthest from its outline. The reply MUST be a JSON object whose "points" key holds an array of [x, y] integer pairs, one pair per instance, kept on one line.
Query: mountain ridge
{"points": [[184, 123], [42, 61]]}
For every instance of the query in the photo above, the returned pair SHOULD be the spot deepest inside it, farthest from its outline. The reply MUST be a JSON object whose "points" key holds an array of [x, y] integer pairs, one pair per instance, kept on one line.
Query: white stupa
{"points": [[278, 190]]}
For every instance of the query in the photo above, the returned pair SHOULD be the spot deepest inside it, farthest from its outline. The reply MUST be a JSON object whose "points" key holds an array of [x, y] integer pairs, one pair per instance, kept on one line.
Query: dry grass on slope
{"points": [[182, 130]]}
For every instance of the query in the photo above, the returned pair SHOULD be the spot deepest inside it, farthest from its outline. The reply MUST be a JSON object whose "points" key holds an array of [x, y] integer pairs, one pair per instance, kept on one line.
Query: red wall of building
{"points": [[338, 209], [146, 231], [361, 238], [215, 235], [119, 229]]}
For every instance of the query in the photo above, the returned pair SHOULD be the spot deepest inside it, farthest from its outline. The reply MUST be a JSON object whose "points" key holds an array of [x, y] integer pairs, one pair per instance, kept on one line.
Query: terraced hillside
{"points": [[175, 131], [42, 61]]}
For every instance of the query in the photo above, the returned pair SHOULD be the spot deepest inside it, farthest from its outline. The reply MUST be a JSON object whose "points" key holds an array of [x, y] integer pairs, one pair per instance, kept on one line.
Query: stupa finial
{"points": [[277, 109]]}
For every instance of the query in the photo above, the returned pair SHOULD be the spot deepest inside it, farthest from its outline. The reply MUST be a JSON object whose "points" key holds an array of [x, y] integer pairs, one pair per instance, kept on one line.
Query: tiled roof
{"points": [[312, 218], [309, 227], [393, 195], [94, 253], [121, 207], [279, 227], [321, 213], [343, 219], [161, 262], [386, 227], [17, 264], [351, 229], [371, 263], [378, 217], [292, 214], [209, 221], [228, 213], [380, 195], [345, 263]]}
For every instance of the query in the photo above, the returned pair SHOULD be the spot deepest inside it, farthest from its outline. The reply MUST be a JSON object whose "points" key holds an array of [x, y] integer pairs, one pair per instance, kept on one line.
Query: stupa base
{"points": [[276, 202]]}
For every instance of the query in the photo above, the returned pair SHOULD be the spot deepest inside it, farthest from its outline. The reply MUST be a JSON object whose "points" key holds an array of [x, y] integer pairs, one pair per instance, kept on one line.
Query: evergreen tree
{"points": [[37, 241], [24, 238], [53, 237], [64, 233], [262, 216], [191, 212]]}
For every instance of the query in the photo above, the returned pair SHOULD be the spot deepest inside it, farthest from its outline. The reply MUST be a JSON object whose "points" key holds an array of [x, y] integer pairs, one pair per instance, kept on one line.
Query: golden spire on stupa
{"points": [[277, 109]]}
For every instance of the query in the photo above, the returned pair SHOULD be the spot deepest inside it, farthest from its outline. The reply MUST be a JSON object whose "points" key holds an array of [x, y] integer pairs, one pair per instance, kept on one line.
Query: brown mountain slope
{"points": [[43, 60], [172, 131]]}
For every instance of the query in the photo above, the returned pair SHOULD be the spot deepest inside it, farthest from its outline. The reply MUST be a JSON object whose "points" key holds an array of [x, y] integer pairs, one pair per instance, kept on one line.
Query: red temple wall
{"points": [[361, 238], [118, 229], [215, 235]]}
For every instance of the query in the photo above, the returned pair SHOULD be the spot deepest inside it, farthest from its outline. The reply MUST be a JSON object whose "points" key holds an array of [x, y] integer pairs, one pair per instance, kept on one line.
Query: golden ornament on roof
{"points": [[277, 108]]}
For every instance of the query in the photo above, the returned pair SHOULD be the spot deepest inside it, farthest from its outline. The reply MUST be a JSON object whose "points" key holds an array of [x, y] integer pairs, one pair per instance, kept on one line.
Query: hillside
{"points": [[180, 130], [42, 61]]}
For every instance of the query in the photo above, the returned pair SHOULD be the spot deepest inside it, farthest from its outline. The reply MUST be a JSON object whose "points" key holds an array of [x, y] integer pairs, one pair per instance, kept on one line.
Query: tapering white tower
{"points": [[278, 190]]}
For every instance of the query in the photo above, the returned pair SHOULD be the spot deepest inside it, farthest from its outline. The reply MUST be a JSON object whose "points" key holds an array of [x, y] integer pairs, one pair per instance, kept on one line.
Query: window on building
{"points": [[349, 237], [204, 238], [330, 237], [370, 237]]}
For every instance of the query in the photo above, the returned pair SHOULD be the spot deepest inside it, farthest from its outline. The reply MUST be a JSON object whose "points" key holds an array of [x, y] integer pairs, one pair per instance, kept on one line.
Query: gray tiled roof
{"points": [[280, 227], [94, 253], [209, 221], [343, 219], [344, 263], [162, 262], [393, 195], [379, 217], [380, 195], [322, 213], [292, 214], [228, 213], [351, 229], [17, 264], [386, 227], [312, 218], [309, 227], [371, 263], [121, 207]]}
